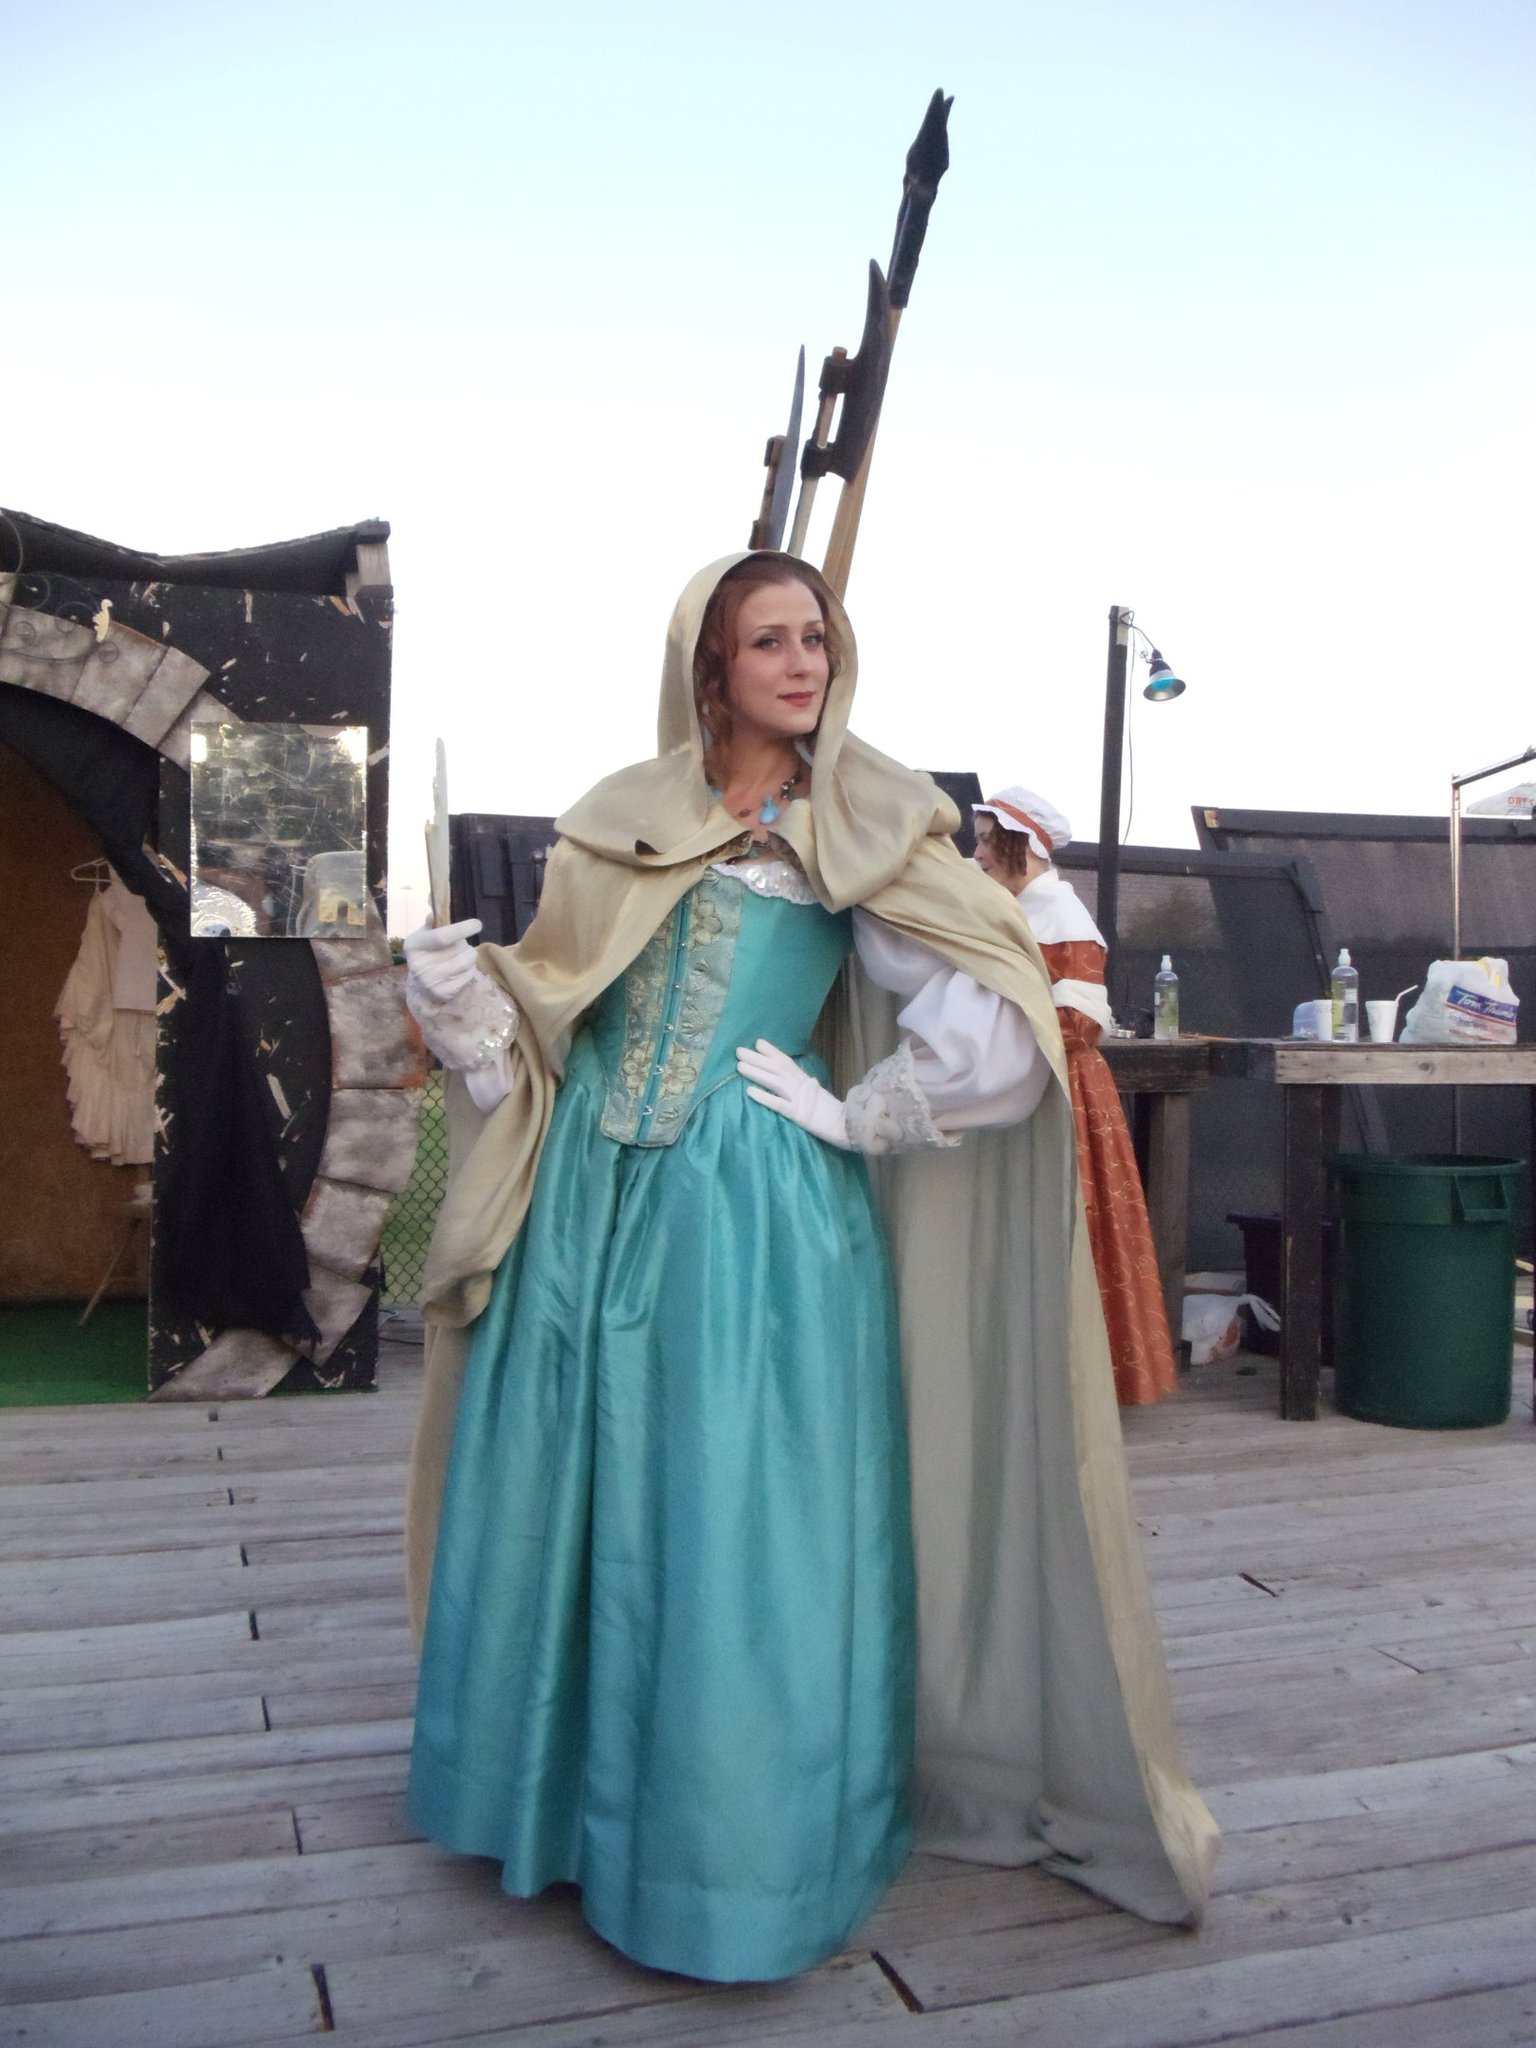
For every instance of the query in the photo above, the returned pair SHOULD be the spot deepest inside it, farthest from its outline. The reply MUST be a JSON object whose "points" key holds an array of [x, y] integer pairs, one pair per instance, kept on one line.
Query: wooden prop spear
{"points": [[857, 380], [437, 843], [927, 161]]}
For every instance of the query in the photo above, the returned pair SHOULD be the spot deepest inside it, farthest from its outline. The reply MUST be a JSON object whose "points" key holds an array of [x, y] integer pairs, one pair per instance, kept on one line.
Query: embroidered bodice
{"points": [[733, 963]]}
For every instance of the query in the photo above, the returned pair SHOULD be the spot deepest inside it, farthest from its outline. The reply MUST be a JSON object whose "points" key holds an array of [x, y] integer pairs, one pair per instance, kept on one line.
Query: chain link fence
{"points": [[413, 1213]]}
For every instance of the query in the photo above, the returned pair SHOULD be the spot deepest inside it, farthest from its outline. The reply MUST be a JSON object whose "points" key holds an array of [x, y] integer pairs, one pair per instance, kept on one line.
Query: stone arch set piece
{"points": [[171, 642]]}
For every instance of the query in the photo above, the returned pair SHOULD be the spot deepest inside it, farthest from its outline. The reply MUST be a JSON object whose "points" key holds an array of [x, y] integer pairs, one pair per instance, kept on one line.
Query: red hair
{"points": [[1011, 850], [717, 644]]}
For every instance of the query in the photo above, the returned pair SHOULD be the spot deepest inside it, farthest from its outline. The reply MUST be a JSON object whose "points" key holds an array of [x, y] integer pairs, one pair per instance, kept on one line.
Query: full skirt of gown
{"points": [[670, 1644]]}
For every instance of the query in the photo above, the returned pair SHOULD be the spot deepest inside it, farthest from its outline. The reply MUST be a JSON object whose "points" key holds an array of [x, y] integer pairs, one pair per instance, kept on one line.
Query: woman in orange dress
{"points": [[1015, 836]]}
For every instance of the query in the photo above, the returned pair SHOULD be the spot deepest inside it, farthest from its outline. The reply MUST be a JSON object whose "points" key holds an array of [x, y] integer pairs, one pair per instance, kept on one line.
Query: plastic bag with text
{"points": [[1465, 1002]]}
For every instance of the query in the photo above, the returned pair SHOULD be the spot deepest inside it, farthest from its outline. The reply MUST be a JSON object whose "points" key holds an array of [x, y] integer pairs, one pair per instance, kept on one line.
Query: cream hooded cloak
{"points": [[1045, 1727]]}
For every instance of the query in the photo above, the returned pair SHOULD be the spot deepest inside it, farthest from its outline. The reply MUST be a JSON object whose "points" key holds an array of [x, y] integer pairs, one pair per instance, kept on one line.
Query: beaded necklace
{"points": [[768, 809]]}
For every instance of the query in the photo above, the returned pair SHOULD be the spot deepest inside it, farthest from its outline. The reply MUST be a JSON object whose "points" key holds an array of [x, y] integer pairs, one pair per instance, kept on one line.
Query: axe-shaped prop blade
{"points": [[779, 458], [859, 380], [927, 161]]}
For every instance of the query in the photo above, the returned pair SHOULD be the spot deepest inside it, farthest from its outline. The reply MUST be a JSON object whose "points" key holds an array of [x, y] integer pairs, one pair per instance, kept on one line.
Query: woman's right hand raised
{"points": [[466, 1017], [441, 959]]}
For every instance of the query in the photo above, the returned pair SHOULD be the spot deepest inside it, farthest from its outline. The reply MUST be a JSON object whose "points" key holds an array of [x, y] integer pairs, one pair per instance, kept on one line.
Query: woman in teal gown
{"points": [[669, 1648], [670, 1643]]}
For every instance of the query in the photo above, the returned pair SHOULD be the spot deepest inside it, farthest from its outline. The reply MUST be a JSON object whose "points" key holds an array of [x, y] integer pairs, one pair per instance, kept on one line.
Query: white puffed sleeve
{"points": [[491, 1083], [972, 1053], [470, 1025]]}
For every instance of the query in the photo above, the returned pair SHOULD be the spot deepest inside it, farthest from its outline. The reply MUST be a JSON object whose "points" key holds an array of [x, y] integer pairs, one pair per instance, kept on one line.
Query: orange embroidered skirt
{"points": [[1118, 1227]]}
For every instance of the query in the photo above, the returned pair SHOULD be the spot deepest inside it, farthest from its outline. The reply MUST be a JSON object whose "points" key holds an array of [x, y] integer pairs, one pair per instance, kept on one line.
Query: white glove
{"points": [[441, 959], [782, 1086], [466, 1017]]}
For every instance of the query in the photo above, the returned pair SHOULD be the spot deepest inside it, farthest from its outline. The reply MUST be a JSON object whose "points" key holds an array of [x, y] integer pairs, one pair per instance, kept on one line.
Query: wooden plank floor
{"points": [[205, 1705]]}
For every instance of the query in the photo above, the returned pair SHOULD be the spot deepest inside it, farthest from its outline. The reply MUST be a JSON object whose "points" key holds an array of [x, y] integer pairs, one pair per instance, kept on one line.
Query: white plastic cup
{"points": [[1381, 1020]]}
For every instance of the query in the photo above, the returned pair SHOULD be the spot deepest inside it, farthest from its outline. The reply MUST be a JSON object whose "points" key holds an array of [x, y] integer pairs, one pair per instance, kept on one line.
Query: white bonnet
{"points": [[1025, 810]]}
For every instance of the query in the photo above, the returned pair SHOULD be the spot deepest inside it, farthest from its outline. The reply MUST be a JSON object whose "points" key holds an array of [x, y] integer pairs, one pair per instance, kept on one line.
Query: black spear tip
{"points": [[927, 161], [928, 158]]}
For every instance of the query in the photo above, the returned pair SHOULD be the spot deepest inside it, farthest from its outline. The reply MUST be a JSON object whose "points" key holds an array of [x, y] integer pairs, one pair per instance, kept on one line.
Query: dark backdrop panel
{"points": [[1385, 891], [496, 867], [963, 789]]}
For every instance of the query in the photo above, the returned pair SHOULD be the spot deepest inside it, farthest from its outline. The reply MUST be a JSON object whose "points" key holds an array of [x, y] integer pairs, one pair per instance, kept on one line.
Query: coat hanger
{"points": [[97, 872]]}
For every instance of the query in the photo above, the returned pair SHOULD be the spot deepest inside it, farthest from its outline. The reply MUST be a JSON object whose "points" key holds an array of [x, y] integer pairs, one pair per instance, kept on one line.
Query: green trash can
{"points": [[1428, 1289]]}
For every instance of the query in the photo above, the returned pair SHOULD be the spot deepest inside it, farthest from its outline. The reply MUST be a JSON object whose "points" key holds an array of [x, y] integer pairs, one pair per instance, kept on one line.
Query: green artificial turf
{"points": [[48, 1361]]}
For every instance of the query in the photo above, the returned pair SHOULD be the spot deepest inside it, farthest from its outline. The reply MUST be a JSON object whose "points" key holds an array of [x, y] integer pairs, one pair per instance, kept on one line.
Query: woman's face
{"points": [[777, 679]]}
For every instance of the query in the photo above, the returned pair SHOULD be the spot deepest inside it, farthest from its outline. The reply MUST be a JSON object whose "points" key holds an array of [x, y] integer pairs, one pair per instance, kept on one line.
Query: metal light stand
{"points": [[1109, 786]]}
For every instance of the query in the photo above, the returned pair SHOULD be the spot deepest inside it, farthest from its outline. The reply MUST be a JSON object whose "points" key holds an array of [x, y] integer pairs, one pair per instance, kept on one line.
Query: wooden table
{"points": [[1161, 1075], [1311, 1076]]}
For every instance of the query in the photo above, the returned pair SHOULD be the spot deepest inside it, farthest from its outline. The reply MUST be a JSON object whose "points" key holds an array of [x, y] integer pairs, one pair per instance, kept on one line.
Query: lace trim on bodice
{"points": [[773, 876], [674, 995]]}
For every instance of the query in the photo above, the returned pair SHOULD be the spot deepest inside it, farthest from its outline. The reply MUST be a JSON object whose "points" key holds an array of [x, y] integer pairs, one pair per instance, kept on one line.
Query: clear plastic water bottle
{"points": [[1165, 1000], [1345, 990]]}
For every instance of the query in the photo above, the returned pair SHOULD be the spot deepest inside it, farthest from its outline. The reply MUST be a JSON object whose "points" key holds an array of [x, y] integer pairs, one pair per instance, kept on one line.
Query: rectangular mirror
{"points": [[279, 831]]}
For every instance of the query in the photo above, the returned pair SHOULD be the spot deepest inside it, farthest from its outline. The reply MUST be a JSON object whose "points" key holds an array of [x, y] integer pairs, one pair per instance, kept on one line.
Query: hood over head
{"points": [[855, 831]]}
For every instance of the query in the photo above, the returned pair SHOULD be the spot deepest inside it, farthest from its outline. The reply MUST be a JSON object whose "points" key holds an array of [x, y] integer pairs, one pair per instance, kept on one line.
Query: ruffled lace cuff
{"points": [[888, 1111], [468, 1029]]}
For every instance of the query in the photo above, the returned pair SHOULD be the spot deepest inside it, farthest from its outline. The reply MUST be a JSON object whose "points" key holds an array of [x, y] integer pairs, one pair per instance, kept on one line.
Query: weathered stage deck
{"points": [[205, 1700]]}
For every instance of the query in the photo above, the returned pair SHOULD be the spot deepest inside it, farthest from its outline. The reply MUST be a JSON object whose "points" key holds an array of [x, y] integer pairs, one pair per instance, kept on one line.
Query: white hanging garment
{"points": [[108, 1030]]}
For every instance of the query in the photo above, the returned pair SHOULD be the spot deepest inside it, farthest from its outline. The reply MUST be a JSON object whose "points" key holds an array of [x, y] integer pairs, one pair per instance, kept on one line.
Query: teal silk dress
{"points": [[671, 1639]]}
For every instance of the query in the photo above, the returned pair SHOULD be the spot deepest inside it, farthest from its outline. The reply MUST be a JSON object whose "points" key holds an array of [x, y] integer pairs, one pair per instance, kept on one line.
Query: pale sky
{"points": [[1227, 313]]}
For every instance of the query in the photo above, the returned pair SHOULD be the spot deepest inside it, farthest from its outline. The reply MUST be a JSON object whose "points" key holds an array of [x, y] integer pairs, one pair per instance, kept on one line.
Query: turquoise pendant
{"points": [[769, 812]]}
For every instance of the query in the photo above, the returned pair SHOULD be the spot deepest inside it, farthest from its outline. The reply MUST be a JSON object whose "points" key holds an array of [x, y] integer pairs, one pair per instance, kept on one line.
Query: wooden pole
{"points": [[850, 506], [796, 542]]}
